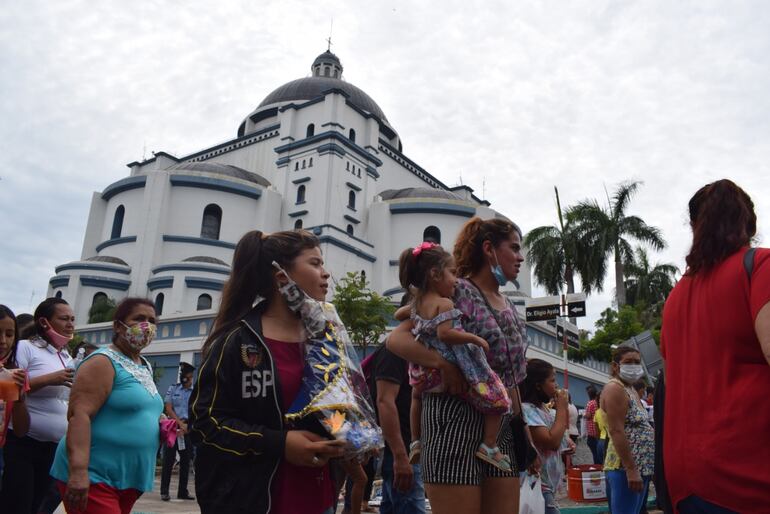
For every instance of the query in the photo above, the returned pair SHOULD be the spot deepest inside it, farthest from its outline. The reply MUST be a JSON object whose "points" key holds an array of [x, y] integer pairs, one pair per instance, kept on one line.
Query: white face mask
{"points": [[309, 310], [631, 372]]}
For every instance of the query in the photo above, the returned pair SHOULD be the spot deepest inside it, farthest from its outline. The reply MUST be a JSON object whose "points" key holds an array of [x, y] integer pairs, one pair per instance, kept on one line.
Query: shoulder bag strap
{"points": [[748, 262]]}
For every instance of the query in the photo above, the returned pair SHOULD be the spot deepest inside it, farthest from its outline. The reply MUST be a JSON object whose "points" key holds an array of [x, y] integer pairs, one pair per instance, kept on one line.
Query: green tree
{"points": [[647, 283], [557, 254], [102, 310], [609, 232], [364, 312], [612, 328]]}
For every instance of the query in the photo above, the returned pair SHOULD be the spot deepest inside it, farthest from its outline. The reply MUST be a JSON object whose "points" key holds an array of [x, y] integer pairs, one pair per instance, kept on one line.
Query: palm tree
{"points": [[647, 283], [557, 255], [609, 231]]}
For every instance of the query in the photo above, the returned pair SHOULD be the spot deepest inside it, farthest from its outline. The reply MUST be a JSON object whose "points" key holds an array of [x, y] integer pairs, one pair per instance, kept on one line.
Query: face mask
{"points": [[56, 339], [140, 335], [497, 272], [631, 372], [308, 309]]}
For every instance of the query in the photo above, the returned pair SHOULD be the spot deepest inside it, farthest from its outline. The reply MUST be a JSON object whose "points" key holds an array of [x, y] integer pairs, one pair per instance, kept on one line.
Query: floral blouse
{"points": [[640, 435], [508, 341]]}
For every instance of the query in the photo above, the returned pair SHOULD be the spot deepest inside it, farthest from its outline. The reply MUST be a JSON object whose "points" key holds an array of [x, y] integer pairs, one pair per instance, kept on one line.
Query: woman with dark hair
{"points": [[548, 430], [715, 341], [629, 461], [107, 459], [45, 358], [249, 460], [487, 255], [13, 408]]}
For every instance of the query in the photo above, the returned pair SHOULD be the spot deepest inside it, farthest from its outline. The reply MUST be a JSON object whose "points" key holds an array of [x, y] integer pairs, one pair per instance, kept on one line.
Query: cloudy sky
{"points": [[511, 97]]}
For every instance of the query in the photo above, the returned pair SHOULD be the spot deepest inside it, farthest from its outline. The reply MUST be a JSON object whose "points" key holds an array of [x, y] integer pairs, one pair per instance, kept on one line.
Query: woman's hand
{"points": [[452, 378], [19, 377], [635, 482], [76, 495], [63, 377], [561, 399], [307, 449]]}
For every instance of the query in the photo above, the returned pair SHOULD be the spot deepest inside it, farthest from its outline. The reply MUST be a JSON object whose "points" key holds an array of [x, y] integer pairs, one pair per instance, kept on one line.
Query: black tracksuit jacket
{"points": [[236, 422]]}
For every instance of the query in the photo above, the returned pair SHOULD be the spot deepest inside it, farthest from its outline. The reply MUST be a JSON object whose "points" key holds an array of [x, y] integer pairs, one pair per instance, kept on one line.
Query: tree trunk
{"points": [[620, 283], [569, 277]]}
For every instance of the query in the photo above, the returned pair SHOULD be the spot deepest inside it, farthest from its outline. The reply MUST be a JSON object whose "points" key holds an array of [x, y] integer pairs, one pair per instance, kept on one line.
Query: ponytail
{"points": [[253, 277], [723, 221], [414, 271], [469, 253]]}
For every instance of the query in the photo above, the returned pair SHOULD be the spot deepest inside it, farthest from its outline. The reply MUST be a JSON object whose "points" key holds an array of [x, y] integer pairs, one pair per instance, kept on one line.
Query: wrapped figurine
{"points": [[333, 397]]}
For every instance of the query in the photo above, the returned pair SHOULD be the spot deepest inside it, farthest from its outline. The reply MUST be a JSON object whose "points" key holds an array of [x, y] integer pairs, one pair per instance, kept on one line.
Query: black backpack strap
{"points": [[748, 262]]}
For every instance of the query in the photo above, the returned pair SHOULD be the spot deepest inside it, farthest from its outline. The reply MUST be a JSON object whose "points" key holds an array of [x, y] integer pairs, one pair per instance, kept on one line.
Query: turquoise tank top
{"points": [[125, 432]]}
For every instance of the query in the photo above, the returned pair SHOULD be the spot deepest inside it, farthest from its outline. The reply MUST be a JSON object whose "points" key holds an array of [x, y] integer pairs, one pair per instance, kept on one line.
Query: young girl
{"points": [[428, 273], [13, 409], [549, 431]]}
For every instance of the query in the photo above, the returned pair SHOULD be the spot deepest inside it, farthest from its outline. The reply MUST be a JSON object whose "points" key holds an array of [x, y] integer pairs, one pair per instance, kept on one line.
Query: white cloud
{"points": [[516, 96]]}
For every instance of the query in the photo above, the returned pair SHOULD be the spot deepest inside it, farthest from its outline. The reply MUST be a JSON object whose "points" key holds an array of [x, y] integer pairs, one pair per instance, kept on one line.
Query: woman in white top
{"points": [[28, 459], [572, 429]]}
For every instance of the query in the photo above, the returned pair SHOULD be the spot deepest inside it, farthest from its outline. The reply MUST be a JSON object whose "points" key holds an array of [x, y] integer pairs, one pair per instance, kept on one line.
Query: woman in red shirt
{"points": [[716, 344]]}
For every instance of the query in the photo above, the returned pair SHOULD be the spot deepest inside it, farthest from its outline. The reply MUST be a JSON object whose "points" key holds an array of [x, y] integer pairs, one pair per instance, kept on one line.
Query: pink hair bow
{"points": [[425, 245]]}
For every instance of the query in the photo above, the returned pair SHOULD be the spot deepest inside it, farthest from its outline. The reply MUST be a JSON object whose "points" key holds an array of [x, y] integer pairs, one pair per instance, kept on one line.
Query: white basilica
{"points": [[317, 153]]}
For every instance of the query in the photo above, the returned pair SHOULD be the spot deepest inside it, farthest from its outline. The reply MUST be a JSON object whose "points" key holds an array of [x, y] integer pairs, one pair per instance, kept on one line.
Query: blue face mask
{"points": [[497, 272]]}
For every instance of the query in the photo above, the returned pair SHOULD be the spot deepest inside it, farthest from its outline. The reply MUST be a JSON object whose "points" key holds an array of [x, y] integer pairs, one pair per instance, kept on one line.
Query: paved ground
{"points": [[151, 503]]}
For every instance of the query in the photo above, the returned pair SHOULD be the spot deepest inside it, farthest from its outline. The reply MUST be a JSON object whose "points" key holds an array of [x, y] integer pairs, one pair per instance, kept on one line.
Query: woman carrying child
{"points": [[428, 273], [487, 255]]}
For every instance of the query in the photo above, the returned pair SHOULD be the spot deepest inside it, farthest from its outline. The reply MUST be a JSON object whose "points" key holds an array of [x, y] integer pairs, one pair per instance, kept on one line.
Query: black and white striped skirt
{"points": [[451, 433]]}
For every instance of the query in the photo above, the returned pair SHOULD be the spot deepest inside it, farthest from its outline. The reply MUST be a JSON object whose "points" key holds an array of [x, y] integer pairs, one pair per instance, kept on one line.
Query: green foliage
{"points": [[74, 342], [612, 328], [102, 310], [609, 231], [364, 312], [647, 284]]}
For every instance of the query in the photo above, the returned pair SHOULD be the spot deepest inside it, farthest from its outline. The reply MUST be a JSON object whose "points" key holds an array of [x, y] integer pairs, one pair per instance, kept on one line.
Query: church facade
{"points": [[317, 153]]}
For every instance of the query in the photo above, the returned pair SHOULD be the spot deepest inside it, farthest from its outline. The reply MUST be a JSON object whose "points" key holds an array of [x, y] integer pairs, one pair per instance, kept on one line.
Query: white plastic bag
{"points": [[531, 499]]}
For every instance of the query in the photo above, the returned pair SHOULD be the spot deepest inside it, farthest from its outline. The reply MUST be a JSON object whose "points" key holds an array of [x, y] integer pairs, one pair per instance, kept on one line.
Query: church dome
{"points": [[327, 74], [418, 192]]}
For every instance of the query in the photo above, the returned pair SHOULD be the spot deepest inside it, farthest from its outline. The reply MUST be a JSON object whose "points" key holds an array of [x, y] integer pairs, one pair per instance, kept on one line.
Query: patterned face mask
{"points": [[309, 310], [139, 336]]}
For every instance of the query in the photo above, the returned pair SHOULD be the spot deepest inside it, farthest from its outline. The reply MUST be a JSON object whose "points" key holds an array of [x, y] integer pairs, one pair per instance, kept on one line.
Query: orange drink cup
{"points": [[9, 391]]}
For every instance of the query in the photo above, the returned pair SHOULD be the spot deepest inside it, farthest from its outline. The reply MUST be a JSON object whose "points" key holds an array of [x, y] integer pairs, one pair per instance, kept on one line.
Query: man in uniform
{"points": [[176, 405]]}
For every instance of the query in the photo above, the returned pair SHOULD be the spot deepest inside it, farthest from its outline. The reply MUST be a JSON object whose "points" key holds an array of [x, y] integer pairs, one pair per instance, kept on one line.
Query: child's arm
{"points": [[403, 313], [449, 335]]}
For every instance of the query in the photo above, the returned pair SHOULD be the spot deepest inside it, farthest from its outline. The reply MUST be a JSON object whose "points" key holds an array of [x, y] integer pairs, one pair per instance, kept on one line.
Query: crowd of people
{"points": [[462, 416]]}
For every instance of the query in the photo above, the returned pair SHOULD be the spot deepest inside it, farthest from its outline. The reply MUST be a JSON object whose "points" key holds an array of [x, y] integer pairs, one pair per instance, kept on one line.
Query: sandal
{"points": [[494, 457], [414, 452]]}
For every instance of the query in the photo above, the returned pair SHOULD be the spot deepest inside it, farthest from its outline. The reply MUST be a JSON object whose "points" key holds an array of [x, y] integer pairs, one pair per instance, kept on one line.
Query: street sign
{"points": [[543, 308], [573, 334], [576, 305]]}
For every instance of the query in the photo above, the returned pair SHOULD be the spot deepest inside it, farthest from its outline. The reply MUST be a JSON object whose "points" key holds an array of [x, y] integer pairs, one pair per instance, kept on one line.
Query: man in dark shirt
{"points": [[402, 488]]}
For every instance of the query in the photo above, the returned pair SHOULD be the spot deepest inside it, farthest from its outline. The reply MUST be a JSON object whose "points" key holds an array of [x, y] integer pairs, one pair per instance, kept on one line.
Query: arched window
{"points": [[350, 229], [159, 304], [432, 234], [352, 135], [301, 194], [117, 222], [204, 302], [296, 166], [58, 294], [98, 297], [212, 220], [310, 130], [310, 164], [352, 200], [297, 224], [347, 166], [326, 71], [303, 164]]}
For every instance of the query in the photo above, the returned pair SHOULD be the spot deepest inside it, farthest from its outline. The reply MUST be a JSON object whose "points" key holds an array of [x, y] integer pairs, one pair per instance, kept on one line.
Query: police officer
{"points": [[177, 400]]}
